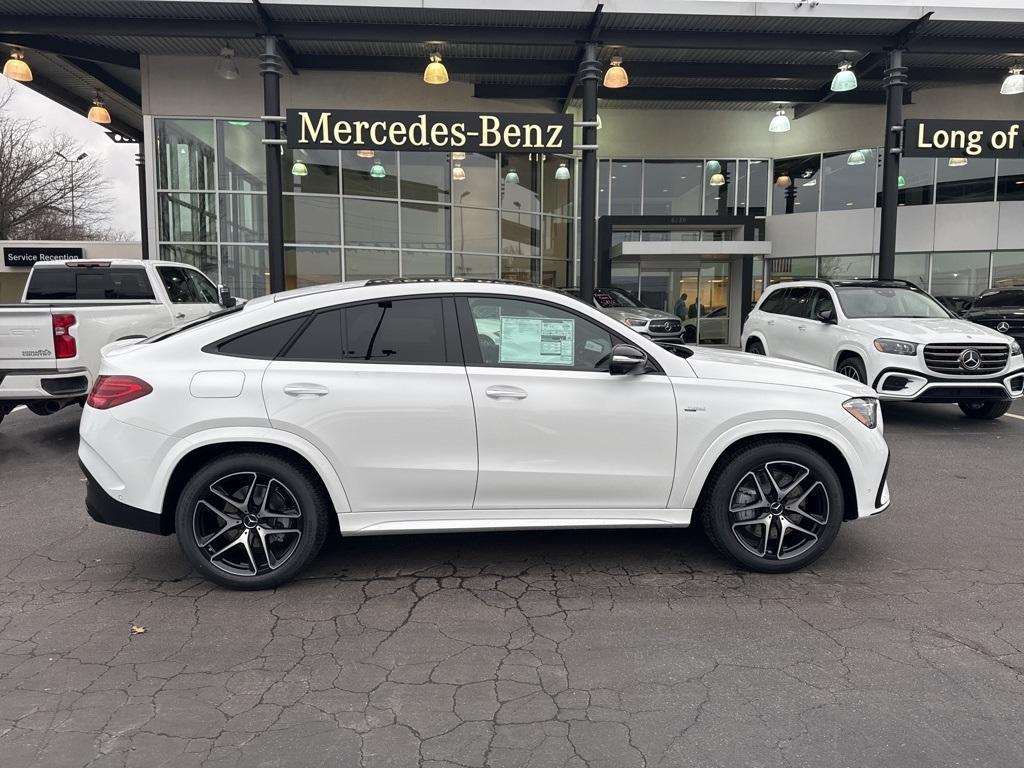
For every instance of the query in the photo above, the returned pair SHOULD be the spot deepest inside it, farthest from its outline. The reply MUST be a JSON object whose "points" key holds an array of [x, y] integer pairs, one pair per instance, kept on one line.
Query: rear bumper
{"points": [[911, 385], [24, 386], [104, 508]]}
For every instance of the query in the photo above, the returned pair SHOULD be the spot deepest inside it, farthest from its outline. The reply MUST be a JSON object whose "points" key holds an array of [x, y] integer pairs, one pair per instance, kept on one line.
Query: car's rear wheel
{"points": [[251, 520], [773, 506], [985, 409], [755, 347], [853, 367]]}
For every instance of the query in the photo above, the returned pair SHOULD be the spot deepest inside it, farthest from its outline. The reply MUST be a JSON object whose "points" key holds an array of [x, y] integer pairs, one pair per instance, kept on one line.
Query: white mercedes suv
{"points": [[395, 406], [892, 336]]}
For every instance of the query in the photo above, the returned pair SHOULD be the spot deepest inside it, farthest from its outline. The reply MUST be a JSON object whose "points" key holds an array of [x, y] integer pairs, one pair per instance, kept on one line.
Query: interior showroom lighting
{"points": [[458, 173], [226, 67], [299, 169], [714, 166], [615, 76], [435, 73], [1012, 85], [511, 177], [98, 111], [460, 156], [957, 162], [377, 170], [857, 157], [901, 182], [779, 123], [16, 68], [366, 154], [562, 173], [845, 79], [783, 181], [716, 180]]}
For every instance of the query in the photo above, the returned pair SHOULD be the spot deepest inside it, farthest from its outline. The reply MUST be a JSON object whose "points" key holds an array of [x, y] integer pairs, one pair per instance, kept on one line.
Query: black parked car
{"points": [[1000, 308]]}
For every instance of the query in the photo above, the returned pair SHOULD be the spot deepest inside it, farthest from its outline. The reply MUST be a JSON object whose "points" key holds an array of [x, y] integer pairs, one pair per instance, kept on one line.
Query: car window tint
{"points": [[264, 343], [89, 284], [515, 333], [179, 288], [321, 340], [798, 302], [774, 301], [202, 287], [822, 301]]}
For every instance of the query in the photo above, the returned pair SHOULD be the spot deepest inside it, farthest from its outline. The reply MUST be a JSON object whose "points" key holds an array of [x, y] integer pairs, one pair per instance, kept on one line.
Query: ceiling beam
{"points": [[284, 48], [658, 93], [108, 81], [79, 105], [86, 51], [581, 54]]}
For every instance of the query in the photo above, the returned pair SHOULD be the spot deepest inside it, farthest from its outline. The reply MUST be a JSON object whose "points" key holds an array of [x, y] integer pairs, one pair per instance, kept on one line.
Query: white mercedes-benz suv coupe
{"points": [[394, 406], [892, 336]]}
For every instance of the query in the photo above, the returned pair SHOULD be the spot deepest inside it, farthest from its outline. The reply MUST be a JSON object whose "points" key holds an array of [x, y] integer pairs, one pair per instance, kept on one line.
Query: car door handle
{"points": [[770, 322], [300, 390], [505, 393], [180, 315], [801, 327]]}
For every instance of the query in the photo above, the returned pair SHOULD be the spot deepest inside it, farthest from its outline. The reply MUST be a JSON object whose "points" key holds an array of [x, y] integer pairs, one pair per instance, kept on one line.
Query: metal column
{"points": [[590, 76], [895, 79], [270, 69], [140, 162]]}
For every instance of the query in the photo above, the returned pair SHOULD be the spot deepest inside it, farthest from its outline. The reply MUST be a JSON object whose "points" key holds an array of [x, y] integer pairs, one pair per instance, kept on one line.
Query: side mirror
{"points": [[226, 299], [626, 359], [827, 316]]}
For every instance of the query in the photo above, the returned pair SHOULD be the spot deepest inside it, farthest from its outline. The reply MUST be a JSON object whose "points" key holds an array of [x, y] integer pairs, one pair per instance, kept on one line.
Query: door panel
{"points": [[818, 339], [186, 294]]}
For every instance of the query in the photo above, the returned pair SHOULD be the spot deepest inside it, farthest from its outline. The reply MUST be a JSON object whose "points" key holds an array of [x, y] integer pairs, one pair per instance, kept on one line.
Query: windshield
{"points": [[615, 297], [888, 302], [1000, 299]]}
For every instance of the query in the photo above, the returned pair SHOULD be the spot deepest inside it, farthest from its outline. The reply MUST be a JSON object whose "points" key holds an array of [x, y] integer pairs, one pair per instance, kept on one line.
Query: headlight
{"points": [[635, 322], [1015, 349], [864, 410], [896, 347]]}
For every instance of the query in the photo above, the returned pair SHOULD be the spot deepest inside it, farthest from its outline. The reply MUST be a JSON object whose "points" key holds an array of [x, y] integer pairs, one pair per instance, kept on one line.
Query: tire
{"points": [[279, 507], [853, 367], [755, 347], [733, 505], [984, 409]]}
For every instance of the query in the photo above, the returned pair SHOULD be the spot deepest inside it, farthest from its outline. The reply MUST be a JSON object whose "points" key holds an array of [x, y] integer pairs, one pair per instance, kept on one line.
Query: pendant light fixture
{"points": [[783, 181], [98, 112], [562, 173], [714, 166], [16, 69], [857, 157], [615, 76], [716, 180], [377, 170], [511, 177], [458, 173], [779, 123], [366, 154], [460, 156], [957, 162], [901, 182], [226, 67], [1012, 85], [435, 73], [845, 79], [299, 169]]}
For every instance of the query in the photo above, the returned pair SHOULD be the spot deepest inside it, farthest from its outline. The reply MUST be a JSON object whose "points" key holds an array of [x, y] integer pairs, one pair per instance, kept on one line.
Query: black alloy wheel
{"points": [[853, 368], [251, 521], [755, 347], [774, 506], [985, 409]]}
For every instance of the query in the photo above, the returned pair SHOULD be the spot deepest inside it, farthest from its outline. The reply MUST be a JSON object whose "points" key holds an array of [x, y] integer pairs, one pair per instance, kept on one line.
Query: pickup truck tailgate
{"points": [[26, 338]]}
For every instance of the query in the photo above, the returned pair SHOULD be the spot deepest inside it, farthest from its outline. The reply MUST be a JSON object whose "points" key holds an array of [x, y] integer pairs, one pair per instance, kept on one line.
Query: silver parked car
{"points": [[623, 306]]}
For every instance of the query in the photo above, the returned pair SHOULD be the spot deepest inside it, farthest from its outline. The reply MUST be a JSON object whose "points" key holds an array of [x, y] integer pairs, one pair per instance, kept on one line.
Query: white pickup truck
{"points": [[50, 343]]}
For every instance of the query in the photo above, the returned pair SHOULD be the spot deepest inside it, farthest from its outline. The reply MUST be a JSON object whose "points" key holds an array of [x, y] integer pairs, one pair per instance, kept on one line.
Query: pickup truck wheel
{"points": [[755, 347], [984, 409], [773, 506], [853, 367], [251, 520]]}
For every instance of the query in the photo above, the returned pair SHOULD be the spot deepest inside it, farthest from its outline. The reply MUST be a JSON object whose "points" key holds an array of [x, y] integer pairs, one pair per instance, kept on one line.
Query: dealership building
{"points": [[736, 143]]}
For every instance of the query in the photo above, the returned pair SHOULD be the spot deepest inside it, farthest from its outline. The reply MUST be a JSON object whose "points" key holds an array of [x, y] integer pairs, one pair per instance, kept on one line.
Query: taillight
{"points": [[109, 391], [64, 344]]}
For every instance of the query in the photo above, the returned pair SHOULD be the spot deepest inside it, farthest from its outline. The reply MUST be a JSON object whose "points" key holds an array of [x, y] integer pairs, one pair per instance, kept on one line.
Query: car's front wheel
{"points": [[755, 347], [773, 506], [985, 409], [251, 520]]}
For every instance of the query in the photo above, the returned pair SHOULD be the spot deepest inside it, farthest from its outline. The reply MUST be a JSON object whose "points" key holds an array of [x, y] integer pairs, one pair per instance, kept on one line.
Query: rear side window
{"points": [[89, 284], [798, 302], [263, 343], [404, 331], [774, 301]]}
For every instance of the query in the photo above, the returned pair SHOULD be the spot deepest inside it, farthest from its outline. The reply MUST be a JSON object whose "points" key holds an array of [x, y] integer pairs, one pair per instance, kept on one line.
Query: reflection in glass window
{"points": [[627, 277], [520, 234], [848, 180], [370, 222], [426, 226], [916, 181], [625, 237], [185, 154], [783, 270], [426, 264], [309, 219], [520, 269], [795, 187], [912, 267], [720, 199], [843, 267], [758, 188], [367, 263], [1007, 268], [520, 183], [243, 218], [243, 158], [559, 174], [557, 274], [375, 176], [245, 270], [961, 274], [426, 176], [757, 284], [480, 187], [321, 171], [475, 230], [602, 187], [186, 218], [311, 266], [970, 183], [672, 188], [474, 265], [557, 238], [626, 187], [1011, 180]]}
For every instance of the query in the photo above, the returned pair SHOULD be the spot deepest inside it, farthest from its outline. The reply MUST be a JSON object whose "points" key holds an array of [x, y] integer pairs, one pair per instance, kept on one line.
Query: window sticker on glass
{"points": [[537, 341]]}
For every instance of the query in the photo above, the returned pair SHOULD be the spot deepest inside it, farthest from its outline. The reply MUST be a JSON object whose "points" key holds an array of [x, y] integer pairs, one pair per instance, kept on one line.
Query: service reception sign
{"points": [[18, 256], [963, 138], [428, 131]]}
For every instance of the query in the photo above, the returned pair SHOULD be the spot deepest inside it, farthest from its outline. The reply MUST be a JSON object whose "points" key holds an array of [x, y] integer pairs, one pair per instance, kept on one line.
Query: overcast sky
{"points": [[118, 159]]}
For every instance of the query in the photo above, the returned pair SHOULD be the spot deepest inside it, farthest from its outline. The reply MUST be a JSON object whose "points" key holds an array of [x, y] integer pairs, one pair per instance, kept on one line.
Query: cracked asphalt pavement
{"points": [[904, 646]]}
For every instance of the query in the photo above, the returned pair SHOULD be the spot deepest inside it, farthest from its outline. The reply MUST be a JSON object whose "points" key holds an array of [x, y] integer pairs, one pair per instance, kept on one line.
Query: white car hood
{"points": [[925, 330], [741, 366], [645, 312]]}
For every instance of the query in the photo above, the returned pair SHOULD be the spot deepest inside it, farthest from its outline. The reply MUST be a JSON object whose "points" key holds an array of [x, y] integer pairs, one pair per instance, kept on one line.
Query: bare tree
{"points": [[44, 196]]}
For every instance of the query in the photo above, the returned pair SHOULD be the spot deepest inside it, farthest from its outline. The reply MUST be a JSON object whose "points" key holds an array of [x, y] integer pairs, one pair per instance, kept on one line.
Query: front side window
{"points": [[179, 288], [865, 301], [402, 331], [515, 333], [202, 288], [822, 302]]}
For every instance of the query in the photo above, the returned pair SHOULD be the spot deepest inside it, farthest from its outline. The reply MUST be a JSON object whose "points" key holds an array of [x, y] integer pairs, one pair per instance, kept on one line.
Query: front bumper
{"points": [[104, 508], [914, 385]]}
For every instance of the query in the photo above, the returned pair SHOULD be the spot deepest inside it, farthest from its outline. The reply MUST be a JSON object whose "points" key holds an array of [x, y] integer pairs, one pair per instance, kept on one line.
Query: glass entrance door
{"points": [[713, 307], [698, 295]]}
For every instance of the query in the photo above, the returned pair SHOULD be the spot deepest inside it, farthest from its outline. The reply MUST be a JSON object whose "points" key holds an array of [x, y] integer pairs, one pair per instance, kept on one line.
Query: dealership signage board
{"points": [[26, 256], [429, 131], [963, 138]]}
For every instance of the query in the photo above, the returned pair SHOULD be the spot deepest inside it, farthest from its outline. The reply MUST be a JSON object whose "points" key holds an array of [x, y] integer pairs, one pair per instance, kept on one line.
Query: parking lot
{"points": [[903, 646]]}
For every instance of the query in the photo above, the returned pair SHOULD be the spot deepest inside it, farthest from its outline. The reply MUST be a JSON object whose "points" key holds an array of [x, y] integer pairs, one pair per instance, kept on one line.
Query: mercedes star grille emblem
{"points": [[970, 359], [1003, 327]]}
